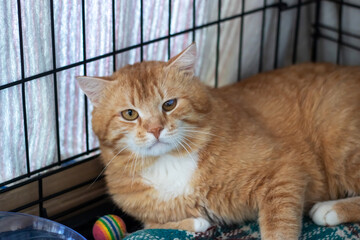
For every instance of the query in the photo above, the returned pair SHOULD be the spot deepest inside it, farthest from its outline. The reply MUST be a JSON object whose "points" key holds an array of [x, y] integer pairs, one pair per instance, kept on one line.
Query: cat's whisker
{"points": [[176, 143], [197, 128], [134, 170], [190, 148], [172, 134], [187, 139], [197, 131], [201, 132], [187, 152], [106, 166], [184, 136], [194, 136], [128, 162], [190, 128], [132, 160], [138, 156], [194, 127], [177, 148]]}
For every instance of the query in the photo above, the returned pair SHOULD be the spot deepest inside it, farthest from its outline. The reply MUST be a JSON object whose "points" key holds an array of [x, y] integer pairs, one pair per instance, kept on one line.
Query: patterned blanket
{"points": [[250, 231]]}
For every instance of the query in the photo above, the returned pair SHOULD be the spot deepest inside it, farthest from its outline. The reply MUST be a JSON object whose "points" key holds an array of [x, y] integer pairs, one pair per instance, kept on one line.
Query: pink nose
{"points": [[156, 131]]}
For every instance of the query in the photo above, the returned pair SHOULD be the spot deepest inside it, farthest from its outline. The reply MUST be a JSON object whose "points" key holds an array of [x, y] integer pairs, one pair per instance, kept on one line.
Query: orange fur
{"points": [[269, 146], [348, 209]]}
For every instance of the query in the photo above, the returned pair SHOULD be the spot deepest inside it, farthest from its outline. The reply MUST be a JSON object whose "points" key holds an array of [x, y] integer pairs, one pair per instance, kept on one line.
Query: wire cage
{"points": [[341, 45]]}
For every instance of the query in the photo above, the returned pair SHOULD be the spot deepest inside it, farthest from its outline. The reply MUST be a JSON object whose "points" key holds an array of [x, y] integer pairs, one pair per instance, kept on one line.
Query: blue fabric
{"points": [[251, 231]]}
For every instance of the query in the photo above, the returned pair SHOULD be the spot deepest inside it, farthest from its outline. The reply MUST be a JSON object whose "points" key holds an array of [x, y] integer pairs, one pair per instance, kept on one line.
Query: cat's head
{"points": [[150, 108]]}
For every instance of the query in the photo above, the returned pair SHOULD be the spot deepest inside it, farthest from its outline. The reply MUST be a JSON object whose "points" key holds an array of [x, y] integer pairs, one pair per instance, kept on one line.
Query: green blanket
{"points": [[250, 231]]}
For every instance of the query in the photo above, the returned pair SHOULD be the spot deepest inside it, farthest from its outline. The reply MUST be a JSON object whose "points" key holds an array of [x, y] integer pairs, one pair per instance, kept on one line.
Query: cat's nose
{"points": [[156, 131]]}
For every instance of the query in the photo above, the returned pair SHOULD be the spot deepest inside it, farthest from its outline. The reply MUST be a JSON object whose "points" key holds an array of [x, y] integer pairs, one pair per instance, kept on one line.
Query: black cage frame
{"points": [[63, 164]]}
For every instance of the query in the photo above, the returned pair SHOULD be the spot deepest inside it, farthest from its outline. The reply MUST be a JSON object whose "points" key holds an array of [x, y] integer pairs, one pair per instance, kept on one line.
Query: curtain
{"points": [[30, 89]]}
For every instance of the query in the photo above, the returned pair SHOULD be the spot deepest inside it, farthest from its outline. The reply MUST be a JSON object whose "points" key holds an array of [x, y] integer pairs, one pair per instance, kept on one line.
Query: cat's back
{"points": [[294, 81], [313, 99], [302, 90]]}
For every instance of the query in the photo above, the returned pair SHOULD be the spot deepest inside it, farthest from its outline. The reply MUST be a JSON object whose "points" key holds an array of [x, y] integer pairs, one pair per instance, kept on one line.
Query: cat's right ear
{"points": [[93, 87]]}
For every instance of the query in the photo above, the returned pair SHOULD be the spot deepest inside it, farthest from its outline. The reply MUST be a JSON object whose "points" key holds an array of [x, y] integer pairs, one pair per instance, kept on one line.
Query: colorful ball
{"points": [[109, 227]]}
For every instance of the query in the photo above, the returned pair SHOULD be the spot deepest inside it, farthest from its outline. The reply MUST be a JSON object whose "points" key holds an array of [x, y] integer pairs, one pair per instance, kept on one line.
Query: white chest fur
{"points": [[171, 176]]}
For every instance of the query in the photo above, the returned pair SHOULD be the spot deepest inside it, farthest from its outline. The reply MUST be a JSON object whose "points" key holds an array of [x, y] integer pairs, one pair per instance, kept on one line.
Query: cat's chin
{"points": [[156, 149]]}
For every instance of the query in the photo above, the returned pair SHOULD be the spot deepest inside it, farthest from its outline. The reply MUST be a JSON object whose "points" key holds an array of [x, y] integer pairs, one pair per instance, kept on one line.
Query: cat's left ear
{"points": [[93, 87], [185, 61]]}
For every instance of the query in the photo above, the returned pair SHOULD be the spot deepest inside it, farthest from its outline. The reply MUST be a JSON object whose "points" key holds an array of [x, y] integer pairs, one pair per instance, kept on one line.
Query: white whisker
{"points": [[187, 152], [196, 138], [193, 135], [134, 170], [201, 132], [187, 139], [106, 166], [187, 145], [175, 143], [192, 127], [127, 163]]}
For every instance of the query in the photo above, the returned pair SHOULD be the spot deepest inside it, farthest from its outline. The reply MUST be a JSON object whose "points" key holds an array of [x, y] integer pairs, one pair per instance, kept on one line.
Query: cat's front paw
{"points": [[323, 214], [201, 225]]}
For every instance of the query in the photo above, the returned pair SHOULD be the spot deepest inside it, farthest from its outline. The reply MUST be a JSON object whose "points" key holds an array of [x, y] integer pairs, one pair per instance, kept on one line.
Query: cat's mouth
{"points": [[157, 143]]}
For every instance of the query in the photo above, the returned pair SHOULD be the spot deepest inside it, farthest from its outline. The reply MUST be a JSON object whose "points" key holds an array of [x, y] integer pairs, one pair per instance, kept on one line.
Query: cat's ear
{"points": [[185, 61], [93, 87]]}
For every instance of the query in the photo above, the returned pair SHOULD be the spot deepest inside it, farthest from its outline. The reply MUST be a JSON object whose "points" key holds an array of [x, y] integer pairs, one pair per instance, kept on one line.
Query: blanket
{"points": [[250, 231]]}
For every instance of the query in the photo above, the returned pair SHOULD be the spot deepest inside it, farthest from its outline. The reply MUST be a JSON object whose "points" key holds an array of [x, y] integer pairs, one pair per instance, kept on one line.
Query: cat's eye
{"points": [[129, 114], [169, 105]]}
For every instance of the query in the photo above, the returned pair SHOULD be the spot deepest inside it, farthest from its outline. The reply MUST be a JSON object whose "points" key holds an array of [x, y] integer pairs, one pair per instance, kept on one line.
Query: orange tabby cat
{"points": [[182, 155]]}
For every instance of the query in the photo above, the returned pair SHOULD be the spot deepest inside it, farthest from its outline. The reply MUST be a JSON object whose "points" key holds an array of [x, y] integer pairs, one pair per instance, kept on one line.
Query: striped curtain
{"points": [[44, 119]]}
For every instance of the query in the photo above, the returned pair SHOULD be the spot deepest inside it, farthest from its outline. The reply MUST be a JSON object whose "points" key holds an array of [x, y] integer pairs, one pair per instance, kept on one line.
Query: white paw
{"points": [[201, 225], [322, 213]]}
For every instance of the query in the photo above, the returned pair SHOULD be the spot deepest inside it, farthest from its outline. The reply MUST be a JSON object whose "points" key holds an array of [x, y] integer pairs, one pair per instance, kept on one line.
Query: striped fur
{"points": [[269, 147]]}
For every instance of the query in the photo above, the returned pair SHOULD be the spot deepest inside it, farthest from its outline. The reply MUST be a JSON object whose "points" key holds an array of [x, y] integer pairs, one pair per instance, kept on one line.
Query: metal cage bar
{"points": [[338, 51], [39, 174], [296, 37], [23, 92], [241, 37], [142, 30], [316, 31], [282, 6], [53, 44], [194, 20], [218, 46], [261, 38], [113, 18], [169, 31], [85, 74], [114, 52]]}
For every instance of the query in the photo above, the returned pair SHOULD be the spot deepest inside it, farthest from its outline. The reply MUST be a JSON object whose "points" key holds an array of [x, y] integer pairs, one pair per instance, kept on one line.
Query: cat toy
{"points": [[109, 227]]}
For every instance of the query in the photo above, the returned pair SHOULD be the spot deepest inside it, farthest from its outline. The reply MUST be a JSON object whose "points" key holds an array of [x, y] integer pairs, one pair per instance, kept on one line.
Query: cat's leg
{"points": [[281, 208], [189, 224], [335, 212], [280, 219]]}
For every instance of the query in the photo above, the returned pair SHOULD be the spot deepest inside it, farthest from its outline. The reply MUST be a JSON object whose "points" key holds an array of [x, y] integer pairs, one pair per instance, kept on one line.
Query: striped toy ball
{"points": [[109, 227]]}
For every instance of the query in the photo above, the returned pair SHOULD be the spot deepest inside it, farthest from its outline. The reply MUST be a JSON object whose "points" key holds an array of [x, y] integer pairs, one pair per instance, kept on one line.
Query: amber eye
{"points": [[169, 105], [129, 114]]}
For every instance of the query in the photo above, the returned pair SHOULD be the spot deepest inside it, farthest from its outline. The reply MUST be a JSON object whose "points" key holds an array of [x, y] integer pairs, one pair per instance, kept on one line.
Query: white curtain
{"points": [[38, 93]]}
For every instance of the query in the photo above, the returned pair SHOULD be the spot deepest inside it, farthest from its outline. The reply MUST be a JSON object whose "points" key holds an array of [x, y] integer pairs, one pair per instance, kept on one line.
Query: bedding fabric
{"points": [[251, 231]]}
